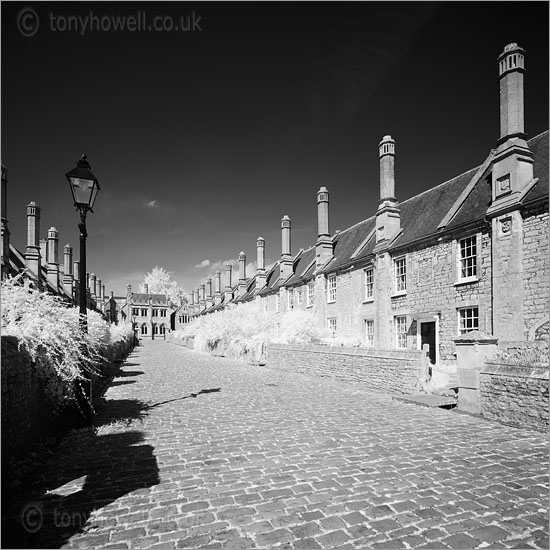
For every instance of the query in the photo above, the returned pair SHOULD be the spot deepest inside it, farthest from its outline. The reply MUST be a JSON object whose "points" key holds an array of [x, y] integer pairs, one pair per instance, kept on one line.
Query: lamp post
{"points": [[84, 188]]}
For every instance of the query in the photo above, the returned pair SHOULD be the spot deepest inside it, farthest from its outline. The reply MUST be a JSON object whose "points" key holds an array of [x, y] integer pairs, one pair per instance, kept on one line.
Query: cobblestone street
{"points": [[198, 451]]}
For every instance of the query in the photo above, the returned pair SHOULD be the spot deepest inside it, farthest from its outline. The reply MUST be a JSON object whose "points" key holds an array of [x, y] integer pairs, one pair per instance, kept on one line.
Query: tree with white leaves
{"points": [[158, 281]]}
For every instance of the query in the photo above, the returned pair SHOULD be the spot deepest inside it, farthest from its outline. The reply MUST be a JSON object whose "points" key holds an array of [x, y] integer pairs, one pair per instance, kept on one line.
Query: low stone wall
{"points": [[253, 355], [515, 394], [26, 413], [390, 371]]}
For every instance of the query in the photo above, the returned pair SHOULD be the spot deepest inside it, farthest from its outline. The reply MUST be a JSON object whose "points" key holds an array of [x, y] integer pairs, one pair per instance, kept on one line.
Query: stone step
{"points": [[426, 400]]}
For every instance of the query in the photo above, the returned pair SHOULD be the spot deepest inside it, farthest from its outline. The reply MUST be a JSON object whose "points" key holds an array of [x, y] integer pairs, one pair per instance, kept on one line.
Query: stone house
{"points": [[149, 313], [469, 254]]}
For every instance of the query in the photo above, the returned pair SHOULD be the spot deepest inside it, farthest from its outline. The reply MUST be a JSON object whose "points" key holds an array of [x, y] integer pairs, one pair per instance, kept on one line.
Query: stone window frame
{"points": [[143, 329], [290, 298], [310, 293], [299, 296], [397, 325], [331, 288], [143, 312], [332, 325], [457, 259], [369, 338], [368, 297], [163, 313], [135, 311], [396, 275], [155, 312], [460, 309]]}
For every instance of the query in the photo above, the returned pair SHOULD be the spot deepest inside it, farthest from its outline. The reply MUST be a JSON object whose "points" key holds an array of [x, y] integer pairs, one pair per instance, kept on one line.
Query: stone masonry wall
{"points": [[432, 274], [385, 370], [535, 270], [24, 404], [515, 394], [26, 412]]}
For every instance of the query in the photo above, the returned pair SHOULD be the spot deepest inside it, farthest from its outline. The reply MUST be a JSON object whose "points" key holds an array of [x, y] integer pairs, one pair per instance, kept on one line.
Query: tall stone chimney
{"points": [[324, 246], [217, 287], [260, 272], [93, 289], [68, 269], [202, 296], [513, 161], [228, 293], [53, 257], [242, 274], [208, 291], [32, 253], [76, 271], [286, 258], [388, 217], [5, 232], [196, 299], [511, 175], [99, 289]]}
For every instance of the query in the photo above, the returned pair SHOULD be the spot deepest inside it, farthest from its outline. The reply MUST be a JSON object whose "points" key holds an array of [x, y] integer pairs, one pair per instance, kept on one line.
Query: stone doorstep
{"points": [[425, 400]]}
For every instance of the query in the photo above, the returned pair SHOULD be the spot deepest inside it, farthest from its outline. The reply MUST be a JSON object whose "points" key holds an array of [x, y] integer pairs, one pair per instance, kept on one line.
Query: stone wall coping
{"points": [[411, 355], [475, 337], [502, 368]]}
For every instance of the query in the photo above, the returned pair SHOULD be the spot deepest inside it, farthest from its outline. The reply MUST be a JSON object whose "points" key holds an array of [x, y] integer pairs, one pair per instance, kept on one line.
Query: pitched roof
{"points": [[539, 146], [143, 299], [303, 268], [272, 280], [422, 214]]}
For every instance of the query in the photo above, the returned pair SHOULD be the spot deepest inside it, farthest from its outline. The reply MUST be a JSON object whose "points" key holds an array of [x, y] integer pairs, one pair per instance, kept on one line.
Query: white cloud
{"points": [[204, 263], [152, 204]]}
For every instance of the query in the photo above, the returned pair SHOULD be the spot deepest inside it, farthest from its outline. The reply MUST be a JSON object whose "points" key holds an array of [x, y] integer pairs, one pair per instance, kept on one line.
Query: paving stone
{"points": [[461, 540], [332, 539]]}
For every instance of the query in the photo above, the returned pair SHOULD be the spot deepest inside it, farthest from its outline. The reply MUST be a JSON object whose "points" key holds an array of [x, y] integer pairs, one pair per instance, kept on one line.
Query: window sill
{"points": [[368, 300], [467, 281], [331, 301], [398, 294]]}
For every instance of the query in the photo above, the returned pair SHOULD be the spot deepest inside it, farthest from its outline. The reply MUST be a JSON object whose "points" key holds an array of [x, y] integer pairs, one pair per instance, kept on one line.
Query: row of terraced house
{"points": [[469, 254], [41, 260]]}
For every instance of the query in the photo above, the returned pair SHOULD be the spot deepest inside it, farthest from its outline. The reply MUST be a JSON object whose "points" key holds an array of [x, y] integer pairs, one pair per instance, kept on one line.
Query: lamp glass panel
{"points": [[82, 190]]}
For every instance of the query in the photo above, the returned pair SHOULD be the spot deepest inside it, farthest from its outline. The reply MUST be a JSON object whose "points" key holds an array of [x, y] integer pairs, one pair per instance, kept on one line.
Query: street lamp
{"points": [[84, 187]]}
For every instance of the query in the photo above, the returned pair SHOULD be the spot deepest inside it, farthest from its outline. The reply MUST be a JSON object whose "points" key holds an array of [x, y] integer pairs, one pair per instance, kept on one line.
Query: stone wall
{"points": [[26, 413], [385, 370], [515, 394], [535, 272], [24, 404]]}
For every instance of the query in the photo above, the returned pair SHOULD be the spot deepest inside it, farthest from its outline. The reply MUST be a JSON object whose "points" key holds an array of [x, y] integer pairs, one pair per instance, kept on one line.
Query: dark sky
{"points": [[202, 140]]}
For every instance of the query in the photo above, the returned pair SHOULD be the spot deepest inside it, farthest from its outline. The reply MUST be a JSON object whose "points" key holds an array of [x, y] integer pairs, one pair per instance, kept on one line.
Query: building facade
{"points": [[468, 254], [149, 313]]}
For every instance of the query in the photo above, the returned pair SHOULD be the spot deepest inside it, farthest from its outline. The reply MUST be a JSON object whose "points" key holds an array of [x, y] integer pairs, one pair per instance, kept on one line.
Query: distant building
{"points": [[149, 313]]}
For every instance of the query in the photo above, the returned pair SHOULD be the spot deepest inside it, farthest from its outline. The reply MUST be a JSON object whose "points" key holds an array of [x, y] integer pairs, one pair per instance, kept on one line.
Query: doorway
{"points": [[428, 336]]}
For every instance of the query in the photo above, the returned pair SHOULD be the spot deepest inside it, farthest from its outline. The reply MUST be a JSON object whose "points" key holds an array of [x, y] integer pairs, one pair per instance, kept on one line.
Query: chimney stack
{"points": [[93, 288], [32, 254], [68, 269], [511, 66], [323, 247], [217, 287], [196, 299], [76, 271], [388, 217], [53, 257], [513, 161], [228, 293], [208, 290], [286, 258], [242, 274], [260, 272], [202, 296], [5, 233]]}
